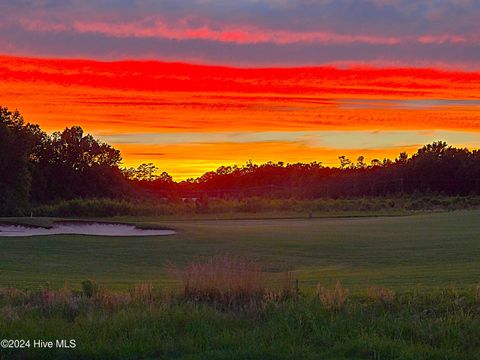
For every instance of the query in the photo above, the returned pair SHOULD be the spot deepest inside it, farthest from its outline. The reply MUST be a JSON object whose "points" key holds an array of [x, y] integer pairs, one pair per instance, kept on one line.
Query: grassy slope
{"points": [[429, 249]]}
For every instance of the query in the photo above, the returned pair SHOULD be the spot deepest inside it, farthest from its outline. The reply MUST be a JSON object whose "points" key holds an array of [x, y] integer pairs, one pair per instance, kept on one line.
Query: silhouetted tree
{"points": [[18, 142], [72, 164], [38, 168]]}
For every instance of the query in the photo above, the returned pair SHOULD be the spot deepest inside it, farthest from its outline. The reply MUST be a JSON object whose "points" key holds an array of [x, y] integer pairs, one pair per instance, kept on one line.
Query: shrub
{"points": [[89, 288], [105, 207], [102, 207]]}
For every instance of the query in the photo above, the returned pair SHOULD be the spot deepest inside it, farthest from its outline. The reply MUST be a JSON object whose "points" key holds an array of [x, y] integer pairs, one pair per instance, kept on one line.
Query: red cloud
{"points": [[152, 27], [182, 31]]}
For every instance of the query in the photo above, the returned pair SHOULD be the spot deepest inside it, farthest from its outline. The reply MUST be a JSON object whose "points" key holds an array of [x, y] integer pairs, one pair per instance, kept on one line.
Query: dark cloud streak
{"points": [[450, 29]]}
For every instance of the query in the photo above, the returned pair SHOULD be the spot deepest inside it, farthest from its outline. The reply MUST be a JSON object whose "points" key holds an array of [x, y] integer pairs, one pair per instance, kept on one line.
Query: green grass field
{"points": [[428, 249], [430, 259], [441, 326]]}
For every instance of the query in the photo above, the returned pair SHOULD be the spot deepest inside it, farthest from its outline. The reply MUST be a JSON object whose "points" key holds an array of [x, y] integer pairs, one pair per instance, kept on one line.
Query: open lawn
{"points": [[429, 249], [432, 321]]}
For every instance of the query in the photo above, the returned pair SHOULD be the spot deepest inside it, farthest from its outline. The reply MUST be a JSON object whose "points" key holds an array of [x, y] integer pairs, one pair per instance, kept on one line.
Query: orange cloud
{"points": [[153, 97], [55, 106]]}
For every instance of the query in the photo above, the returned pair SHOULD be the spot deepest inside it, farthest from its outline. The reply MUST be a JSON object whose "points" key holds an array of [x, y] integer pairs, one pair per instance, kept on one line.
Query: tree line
{"points": [[38, 168]]}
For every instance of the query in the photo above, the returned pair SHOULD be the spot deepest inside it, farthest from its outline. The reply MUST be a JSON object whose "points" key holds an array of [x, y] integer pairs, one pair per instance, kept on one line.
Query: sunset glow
{"points": [[210, 83], [208, 116]]}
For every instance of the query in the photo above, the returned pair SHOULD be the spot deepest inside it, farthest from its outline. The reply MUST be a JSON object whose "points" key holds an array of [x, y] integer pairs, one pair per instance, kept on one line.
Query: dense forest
{"points": [[37, 168]]}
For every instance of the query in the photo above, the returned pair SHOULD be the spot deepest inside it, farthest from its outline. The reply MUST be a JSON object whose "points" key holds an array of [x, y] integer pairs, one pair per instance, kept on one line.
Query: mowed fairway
{"points": [[431, 249]]}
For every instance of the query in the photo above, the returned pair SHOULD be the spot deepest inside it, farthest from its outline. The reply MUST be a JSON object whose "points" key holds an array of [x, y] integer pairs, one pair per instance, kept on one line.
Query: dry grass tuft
{"points": [[288, 291], [224, 281], [48, 298], [12, 295], [142, 293], [111, 300], [333, 298], [385, 296]]}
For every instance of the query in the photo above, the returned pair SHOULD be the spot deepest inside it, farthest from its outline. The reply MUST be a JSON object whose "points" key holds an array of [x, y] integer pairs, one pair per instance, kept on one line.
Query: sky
{"points": [[192, 85]]}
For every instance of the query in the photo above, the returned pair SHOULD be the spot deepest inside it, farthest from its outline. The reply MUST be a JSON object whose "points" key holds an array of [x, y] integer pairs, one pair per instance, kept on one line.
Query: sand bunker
{"points": [[79, 228]]}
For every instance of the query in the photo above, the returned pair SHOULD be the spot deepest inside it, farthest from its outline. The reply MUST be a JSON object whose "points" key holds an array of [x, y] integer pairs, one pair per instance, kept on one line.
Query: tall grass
{"points": [[225, 310], [333, 298], [144, 323], [111, 207], [225, 281]]}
